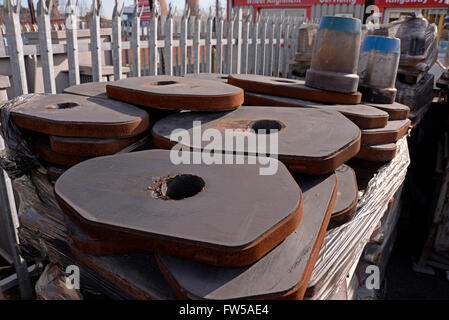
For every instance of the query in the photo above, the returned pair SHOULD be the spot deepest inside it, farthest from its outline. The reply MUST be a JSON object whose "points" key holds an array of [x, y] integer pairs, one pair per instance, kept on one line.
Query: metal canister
{"points": [[378, 66], [336, 55], [306, 38]]}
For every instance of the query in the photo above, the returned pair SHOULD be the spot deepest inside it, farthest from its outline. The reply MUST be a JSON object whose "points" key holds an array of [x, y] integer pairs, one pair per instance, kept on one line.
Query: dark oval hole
{"points": [[266, 125], [64, 105], [183, 186], [164, 83], [224, 78]]}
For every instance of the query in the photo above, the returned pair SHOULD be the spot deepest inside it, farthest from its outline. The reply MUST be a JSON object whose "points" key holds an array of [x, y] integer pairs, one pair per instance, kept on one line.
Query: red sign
{"points": [[146, 11], [292, 3], [411, 3]]}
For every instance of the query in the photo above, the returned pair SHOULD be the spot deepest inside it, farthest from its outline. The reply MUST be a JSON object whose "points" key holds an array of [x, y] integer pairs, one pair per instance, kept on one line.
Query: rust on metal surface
{"points": [[41, 147], [90, 89], [347, 195], [137, 273], [311, 141], [209, 76], [90, 147], [290, 88], [396, 110], [281, 274], [365, 117], [378, 152], [77, 116], [217, 218], [176, 93], [392, 132]]}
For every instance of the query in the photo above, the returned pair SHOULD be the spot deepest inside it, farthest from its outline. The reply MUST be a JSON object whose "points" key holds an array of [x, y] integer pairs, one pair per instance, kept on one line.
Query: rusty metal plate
{"points": [[176, 93], [92, 246], [136, 273], [392, 132], [77, 116], [210, 213], [281, 274], [91, 89], [290, 88], [347, 195], [378, 152], [98, 90], [365, 117], [41, 147], [311, 141], [396, 110], [90, 147], [222, 77]]}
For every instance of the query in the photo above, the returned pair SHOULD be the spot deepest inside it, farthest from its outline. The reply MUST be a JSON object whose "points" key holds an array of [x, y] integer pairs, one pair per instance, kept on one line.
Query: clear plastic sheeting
{"points": [[16, 159], [344, 245], [52, 286]]}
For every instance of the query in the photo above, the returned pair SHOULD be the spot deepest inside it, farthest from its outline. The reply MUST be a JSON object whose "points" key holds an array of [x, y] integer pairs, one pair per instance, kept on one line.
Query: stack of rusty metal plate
{"points": [[195, 219], [66, 129], [381, 125]]}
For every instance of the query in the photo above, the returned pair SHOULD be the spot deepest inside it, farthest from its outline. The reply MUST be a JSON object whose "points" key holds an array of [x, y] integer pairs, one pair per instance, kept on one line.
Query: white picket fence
{"points": [[168, 45]]}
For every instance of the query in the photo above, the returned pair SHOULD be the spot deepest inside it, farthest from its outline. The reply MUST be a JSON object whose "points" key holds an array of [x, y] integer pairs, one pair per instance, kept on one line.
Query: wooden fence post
{"points": [[95, 41], [46, 46], [11, 16], [117, 40], [71, 30]]}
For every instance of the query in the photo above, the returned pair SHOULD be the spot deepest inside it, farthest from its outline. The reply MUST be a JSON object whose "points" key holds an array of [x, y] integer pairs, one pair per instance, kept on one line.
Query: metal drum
{"points": [[378, 66], [336, 55]]}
